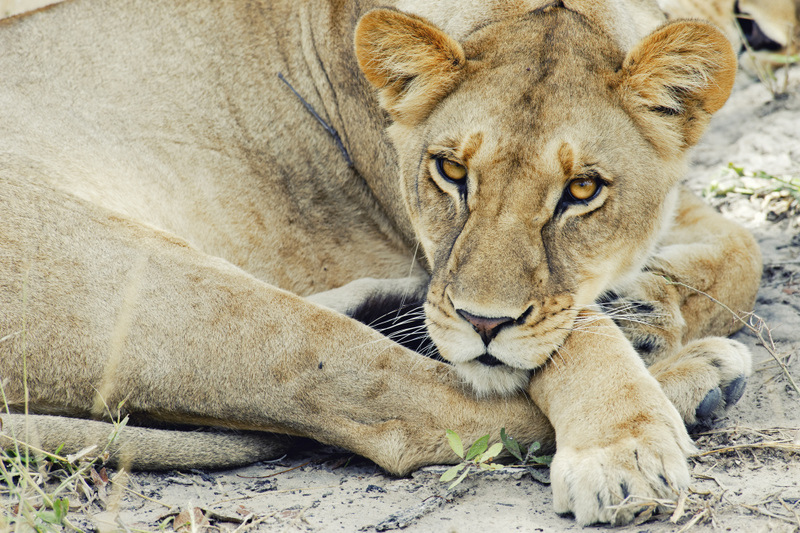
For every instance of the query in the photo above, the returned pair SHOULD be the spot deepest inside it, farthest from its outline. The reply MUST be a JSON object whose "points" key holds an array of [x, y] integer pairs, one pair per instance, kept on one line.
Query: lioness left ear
{"points": [[675, 79], [411, 62]]}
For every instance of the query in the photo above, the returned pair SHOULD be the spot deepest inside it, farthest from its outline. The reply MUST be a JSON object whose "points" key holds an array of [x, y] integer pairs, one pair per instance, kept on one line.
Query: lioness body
{"points": [[167, 199]]}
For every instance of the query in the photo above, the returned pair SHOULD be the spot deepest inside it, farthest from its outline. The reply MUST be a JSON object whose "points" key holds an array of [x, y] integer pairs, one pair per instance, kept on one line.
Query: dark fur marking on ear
{"points": [[667, 111], [625, 491], [664, 480]]}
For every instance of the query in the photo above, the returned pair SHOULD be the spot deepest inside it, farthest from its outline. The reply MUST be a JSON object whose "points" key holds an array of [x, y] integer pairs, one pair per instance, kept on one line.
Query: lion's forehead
{"points": [[543, 41]]}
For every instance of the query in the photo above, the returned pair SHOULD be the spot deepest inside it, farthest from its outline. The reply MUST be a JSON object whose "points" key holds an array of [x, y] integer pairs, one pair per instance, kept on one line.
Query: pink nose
{"points": [[487, 328]]}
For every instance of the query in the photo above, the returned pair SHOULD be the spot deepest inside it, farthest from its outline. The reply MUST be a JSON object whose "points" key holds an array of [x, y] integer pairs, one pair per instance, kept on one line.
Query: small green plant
{"points": [[779, 195], [36, 487], [729, 180], [526, 457], [480, 455]]}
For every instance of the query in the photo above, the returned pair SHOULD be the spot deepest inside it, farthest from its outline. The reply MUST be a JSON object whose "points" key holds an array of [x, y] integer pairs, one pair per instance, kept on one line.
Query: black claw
{"points": [[734, 391], [709, 404]]}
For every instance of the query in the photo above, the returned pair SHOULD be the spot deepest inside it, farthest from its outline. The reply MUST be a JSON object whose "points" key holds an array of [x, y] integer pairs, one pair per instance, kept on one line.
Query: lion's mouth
{"points": [[488, 359]]}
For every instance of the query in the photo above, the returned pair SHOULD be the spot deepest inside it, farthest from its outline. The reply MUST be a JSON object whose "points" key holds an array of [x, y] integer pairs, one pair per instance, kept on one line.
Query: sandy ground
{"points": [[754, 486]]}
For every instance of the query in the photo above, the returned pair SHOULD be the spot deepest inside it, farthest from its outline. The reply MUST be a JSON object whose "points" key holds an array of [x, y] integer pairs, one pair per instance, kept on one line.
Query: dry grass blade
{"points": [[791, 510], [767, 513], [680, 508], [695, 519], [783, 445], [734, 439]]}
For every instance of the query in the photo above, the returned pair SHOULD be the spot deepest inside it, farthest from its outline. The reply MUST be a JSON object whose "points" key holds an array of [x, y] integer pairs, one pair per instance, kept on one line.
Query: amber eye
{"points": [[583, 188], [450, 170]]}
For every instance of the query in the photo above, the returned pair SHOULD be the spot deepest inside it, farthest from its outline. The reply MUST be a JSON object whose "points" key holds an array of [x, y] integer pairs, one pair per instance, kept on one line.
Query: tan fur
{"points": [[167, 200]]}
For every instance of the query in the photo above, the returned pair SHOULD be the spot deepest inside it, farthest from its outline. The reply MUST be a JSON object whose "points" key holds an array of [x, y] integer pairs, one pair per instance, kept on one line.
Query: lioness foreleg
{"points": [[620, 437]]}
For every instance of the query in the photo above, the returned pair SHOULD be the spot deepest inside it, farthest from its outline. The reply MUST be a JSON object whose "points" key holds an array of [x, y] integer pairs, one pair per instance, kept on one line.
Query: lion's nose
{"points": [[487, 328]]}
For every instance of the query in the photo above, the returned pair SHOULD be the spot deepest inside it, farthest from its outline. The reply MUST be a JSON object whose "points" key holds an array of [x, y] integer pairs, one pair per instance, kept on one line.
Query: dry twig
{"points": [[757, 326]]}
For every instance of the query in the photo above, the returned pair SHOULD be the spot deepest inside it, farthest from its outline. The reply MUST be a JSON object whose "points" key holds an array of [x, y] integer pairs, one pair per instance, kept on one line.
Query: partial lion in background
{"points": [[762, 28]]}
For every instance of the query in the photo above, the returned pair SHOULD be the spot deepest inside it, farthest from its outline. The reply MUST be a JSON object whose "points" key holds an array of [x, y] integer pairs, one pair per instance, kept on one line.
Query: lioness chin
{"points": [[183, 238]]}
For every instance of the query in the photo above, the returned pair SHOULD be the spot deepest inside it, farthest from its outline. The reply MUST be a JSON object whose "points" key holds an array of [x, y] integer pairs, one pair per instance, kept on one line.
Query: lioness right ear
{"points": [[411, 62], [675, 79]]}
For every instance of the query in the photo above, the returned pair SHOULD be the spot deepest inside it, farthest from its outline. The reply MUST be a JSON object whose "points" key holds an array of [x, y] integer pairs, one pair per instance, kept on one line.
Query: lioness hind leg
{"points": [[704, 378]]}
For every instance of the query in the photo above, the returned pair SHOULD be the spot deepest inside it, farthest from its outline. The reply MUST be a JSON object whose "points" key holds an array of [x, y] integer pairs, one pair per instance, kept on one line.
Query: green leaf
{"points": [[529, 455], [493, 452], [455, 442], [739, 170], [541, 459], [511, 445], [530, 458], [460, 478], [118, 427], [478, 447], [61, 508], [50, 518], [451, 473]]}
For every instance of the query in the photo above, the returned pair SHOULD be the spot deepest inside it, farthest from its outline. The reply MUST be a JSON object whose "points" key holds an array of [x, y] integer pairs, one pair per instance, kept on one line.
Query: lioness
{"points": [[169, 200]]}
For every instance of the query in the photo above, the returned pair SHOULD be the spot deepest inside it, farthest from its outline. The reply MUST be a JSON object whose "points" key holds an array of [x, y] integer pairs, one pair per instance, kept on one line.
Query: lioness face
{"points": [[533, 186]]}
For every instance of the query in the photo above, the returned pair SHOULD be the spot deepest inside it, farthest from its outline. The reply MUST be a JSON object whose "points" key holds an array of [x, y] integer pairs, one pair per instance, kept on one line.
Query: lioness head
{"points": [[538, 164]]}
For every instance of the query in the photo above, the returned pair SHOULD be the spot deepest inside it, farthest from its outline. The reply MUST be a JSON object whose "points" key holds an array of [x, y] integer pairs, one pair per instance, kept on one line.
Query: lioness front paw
{"points": [[591, 482], [705, 378]]}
